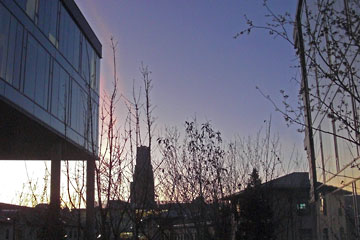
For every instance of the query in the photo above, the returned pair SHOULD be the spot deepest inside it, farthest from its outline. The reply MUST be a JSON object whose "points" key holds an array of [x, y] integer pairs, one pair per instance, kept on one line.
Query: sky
{"points": [[198, 68]]}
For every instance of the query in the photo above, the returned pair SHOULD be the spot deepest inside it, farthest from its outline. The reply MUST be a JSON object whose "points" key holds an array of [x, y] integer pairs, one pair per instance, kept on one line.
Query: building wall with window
{"points": [[293, 216], [6, 230], [329, 55], [332, 215], [50, 66], [288, 198]]}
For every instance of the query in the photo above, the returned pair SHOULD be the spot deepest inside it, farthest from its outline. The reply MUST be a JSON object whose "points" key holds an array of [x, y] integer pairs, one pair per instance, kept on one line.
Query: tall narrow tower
{"points": [[142, 187]]}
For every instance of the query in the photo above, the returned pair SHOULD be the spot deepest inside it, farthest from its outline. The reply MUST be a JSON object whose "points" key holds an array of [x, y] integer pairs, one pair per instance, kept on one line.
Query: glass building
{"points": [[49, 80], [327, 39]]}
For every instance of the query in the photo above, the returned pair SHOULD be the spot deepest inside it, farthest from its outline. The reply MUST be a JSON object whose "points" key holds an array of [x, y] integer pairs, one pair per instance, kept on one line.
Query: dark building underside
{"points": [[23, 138]]}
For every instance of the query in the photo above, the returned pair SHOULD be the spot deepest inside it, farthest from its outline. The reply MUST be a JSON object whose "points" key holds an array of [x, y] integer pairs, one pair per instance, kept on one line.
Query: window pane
{"points": [[31, 8], [48, 13], [69, 38], [55, 87], [11, 50], [97, 74], [4, 34], [62, 32], [18, 56], [76, 48], [42, 80], [78, 108], [22, 3], [95, 122], [85, 66], [37, 68], [92, 67], [70, 43], [14, 52], [30, 67], [53, 21], [43, 16], [60, 85], [64, 82], [74, 105]]}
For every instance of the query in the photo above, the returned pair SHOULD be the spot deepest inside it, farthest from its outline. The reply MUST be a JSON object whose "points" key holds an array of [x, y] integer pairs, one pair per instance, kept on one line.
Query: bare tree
{"points": [[326, 40], [330, 37], [34, 191], [193, 173]]}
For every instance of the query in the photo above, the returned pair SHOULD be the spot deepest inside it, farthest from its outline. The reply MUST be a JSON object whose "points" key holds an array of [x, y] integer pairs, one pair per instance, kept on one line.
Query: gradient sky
{"points": [[198, 68]]}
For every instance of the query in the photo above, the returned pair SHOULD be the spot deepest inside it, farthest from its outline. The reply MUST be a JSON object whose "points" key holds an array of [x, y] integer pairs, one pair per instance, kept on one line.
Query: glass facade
{"points": [[59, 92], [50, 62], [11, 36], [69, 39], [48, 18], [37, 73], [332, 66], [78, 107]]}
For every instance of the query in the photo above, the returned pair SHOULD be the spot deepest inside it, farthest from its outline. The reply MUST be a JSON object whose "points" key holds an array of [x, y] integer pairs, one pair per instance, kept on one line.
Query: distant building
{"points": [[195, 220], [118, 220], [26, 223], [142, 187], [293, 217], [333, 214]]}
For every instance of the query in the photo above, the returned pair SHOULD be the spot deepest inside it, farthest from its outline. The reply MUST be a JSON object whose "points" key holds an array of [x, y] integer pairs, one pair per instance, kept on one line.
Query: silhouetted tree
{"points": [[194, 174], [255, 214]]}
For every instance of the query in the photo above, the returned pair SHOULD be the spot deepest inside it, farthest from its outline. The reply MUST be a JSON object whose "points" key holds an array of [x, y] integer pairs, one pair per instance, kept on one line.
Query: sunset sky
{"points": [[198, 68]]}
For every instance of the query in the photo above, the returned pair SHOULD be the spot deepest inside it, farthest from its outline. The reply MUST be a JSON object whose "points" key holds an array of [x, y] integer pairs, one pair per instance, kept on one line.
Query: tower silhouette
{"points": [[142, 188]]}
